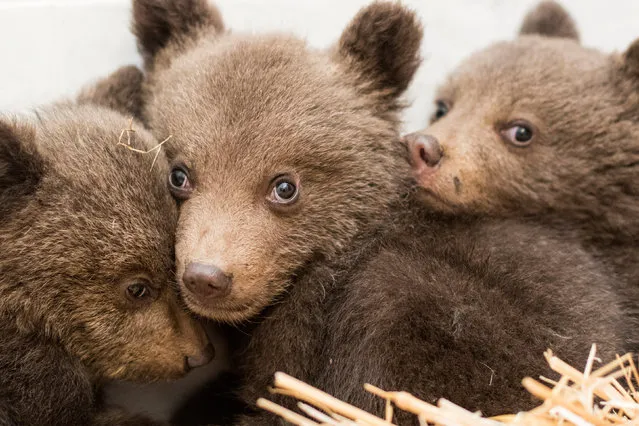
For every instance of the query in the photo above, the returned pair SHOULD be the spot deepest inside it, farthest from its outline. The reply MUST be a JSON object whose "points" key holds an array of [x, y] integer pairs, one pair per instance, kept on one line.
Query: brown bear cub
{"points": [[86, 272], [545, 128], [294, 222]]}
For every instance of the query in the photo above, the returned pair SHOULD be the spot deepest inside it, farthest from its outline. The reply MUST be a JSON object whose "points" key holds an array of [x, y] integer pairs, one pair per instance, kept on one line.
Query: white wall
{"points": [[49, 48]]}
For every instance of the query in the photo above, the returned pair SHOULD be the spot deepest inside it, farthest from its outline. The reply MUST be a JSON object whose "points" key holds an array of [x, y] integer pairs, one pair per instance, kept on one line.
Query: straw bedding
{"points": [[600, 396]]}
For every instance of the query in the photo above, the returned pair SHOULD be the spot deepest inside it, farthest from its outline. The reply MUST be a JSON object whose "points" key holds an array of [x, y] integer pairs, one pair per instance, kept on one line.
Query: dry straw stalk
{"points": [[588, 398], [131, 131]]}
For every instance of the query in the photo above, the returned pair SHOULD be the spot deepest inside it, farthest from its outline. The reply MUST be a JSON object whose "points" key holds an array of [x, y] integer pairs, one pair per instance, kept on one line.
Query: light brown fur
{"points": [[305, 96], [351, 283], [580, 172]]}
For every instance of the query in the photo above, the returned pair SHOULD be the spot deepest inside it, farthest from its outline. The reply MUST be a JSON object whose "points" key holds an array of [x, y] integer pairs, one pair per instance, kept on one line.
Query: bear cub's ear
{"points": [[156, 23], [631, 59], [120, 91], [550, 19], [381, 47], [21, 167]]}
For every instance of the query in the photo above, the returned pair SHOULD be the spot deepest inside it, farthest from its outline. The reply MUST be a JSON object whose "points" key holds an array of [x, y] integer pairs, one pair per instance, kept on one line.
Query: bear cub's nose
{"points": [[424, 149], [206, 281], [202, 358]]}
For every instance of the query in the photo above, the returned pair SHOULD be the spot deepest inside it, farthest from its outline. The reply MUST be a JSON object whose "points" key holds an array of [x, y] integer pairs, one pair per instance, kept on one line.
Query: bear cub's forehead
{"points": [[268, 100], [102, 193], [98, 177], [530, 64], [259, 85], [243, 62], [87, 145]]}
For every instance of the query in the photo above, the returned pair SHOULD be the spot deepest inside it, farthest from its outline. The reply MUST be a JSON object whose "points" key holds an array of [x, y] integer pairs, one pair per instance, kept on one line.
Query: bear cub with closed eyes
{"points": [[295, 223], [545, 128]]}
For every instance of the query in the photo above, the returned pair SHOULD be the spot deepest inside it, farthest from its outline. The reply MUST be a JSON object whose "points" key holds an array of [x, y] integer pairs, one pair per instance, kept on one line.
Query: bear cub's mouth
{"points": [[218, 309], [433, 199]]}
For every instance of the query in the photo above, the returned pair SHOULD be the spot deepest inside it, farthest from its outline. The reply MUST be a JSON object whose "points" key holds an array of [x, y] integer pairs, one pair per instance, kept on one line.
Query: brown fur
{"points": [[120, 91], [306, 96], [463, 311], [551, 20], [581, 170], [163, 25], [352, 284], [82, 218]]}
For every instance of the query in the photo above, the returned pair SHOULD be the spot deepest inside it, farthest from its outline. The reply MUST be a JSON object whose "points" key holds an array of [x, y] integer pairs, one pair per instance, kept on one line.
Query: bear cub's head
{"points": [[87, 236], [535, 125], [281, 154]]}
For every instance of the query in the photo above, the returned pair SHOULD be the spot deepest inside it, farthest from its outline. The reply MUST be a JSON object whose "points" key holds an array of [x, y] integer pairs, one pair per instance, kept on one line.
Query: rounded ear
{"points": [[550, 19], [381, 48], [21, 167], [631, 59], [120, 91], [156, 23]]}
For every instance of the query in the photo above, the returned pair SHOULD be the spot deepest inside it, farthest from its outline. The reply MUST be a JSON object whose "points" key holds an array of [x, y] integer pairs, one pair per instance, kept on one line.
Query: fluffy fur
{"points": [[352, 283], [121, 91], [83, 219], [319, 99], [580, 170], [463, 311], [551, 20]]}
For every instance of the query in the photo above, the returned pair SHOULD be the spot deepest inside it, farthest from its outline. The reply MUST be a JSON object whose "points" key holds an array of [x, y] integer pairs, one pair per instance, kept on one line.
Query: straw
{"points": [[591, 397], [131, 131]]}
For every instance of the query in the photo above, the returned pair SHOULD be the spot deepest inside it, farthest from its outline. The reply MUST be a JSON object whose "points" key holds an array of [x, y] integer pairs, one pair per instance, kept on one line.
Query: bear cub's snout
{"points": [[206, 281], [425, 151]]}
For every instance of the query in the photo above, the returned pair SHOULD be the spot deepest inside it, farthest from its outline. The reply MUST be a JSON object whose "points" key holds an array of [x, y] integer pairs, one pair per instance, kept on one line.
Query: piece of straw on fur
{"points": [[592, 397], [131, 131]]}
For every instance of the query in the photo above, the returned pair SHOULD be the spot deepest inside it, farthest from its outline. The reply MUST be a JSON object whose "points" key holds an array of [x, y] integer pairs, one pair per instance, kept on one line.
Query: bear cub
{"points": [[87, 289], [296, 223], [541, 127]]}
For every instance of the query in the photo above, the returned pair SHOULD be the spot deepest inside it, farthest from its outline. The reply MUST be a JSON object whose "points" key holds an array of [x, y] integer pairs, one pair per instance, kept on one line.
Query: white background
{"points": [[49, 48]]}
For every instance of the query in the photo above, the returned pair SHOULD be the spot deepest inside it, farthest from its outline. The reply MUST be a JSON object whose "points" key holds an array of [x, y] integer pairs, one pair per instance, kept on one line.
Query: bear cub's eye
{"points": [[519, 133], [284, 190], [441, 109], [179, 182], [139, 290]]}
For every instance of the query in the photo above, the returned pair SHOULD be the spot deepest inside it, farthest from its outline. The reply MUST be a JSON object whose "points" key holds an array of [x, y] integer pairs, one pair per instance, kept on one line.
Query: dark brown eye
{"points": [[178, 178], [179, 182], [284, 190], [519, 134], [441, 109], [139, 290]]}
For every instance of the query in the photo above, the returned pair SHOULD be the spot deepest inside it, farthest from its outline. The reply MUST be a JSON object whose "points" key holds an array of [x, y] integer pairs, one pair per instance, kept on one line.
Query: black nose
{"points": [[424, 149], [202, 358], [206, 280]]}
